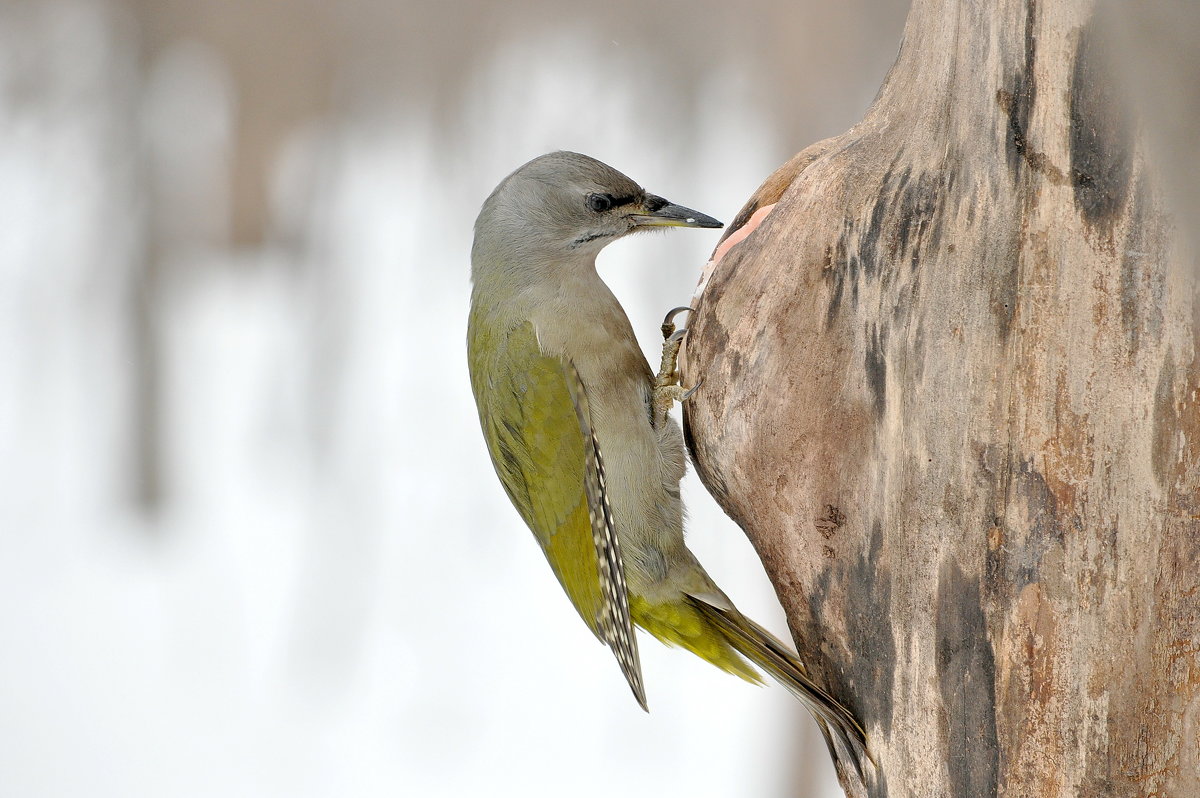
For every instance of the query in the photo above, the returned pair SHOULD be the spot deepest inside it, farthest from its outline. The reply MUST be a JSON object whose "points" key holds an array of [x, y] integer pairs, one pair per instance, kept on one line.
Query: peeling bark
{"points": [[952, 394]]}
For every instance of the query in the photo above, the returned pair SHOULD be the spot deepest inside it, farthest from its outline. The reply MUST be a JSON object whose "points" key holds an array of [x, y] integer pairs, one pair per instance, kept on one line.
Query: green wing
{"points": [[536, 420]]}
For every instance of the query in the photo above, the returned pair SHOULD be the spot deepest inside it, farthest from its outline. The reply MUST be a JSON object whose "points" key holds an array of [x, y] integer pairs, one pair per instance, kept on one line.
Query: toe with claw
{"points": [[668, 325], [667, 387]]}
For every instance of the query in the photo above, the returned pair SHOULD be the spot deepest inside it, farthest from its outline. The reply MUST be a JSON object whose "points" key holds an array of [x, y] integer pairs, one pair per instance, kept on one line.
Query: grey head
{"points": [[567, 206]]}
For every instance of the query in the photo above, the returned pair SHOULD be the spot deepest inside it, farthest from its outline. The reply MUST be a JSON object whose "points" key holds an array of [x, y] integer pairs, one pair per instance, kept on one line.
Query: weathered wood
{"points": [[952, 394]]}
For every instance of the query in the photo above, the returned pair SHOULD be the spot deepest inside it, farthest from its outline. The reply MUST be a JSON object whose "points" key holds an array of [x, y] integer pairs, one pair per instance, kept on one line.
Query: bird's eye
{"points": [[599, 202]]}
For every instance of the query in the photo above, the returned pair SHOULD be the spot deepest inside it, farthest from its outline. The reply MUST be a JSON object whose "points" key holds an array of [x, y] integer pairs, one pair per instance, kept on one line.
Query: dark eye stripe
{"points": [[605, 202]]}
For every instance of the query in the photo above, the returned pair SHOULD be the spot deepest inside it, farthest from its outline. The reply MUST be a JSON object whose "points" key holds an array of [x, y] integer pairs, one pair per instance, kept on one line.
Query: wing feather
{"points": [[535, 416]]}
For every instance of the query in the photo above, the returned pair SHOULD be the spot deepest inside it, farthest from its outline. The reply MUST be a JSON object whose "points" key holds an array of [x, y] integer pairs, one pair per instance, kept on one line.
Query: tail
{"points": [[843, 735]]}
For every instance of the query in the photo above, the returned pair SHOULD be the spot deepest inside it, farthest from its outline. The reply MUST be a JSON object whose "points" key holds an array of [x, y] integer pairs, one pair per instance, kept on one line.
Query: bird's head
{"points": [[569, 205]]}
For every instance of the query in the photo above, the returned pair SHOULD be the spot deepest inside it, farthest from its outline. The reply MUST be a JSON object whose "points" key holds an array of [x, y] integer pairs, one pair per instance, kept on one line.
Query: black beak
{"points": [[657, 212]]}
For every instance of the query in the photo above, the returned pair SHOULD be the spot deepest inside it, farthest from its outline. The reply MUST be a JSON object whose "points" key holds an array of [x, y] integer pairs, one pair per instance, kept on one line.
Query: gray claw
{"points": [[677, 335], [670, 319], [668, 325], [691, 390]]}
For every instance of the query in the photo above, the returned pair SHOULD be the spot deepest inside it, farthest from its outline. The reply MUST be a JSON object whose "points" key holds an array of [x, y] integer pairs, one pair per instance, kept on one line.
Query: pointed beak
{"points": [[657, 212]]}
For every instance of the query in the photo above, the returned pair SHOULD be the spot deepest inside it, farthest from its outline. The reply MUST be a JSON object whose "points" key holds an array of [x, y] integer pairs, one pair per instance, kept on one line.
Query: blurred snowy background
{"points": [[250, 541]]}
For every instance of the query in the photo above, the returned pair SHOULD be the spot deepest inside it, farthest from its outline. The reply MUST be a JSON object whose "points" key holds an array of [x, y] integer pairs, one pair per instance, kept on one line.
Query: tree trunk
{"points": [[951, 391]]}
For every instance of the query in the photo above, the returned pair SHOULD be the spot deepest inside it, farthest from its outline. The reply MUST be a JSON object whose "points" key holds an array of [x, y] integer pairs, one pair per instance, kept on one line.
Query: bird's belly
{"points": [[642, 465], [642, 468]]}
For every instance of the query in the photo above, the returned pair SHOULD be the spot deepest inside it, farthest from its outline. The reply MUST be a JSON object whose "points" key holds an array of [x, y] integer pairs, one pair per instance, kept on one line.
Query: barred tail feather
{"points": [[616, 625], [613, 623], [844, 736]]}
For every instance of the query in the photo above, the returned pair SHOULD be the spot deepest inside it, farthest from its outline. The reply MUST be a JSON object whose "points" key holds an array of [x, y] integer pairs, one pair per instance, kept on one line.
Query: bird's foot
{"points": [[667, 387], [668, 369]]}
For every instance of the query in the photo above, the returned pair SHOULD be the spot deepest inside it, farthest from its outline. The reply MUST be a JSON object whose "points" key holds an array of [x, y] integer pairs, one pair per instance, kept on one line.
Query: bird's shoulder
{"points": [[530, 420]]}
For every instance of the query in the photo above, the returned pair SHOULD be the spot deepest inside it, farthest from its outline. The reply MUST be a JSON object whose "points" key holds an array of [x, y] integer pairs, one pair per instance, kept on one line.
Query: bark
{"points": [[951, 391]]}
